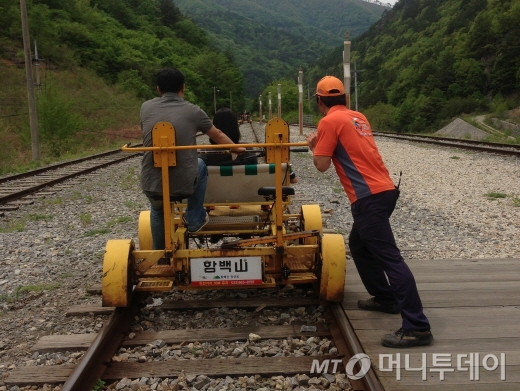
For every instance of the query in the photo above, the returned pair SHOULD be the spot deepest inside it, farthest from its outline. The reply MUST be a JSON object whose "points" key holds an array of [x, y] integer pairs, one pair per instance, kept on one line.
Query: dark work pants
{"points": [[375, 253]]}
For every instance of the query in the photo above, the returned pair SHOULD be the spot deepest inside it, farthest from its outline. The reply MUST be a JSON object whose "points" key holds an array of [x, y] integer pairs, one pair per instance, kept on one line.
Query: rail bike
{"points": [[256, 242]]}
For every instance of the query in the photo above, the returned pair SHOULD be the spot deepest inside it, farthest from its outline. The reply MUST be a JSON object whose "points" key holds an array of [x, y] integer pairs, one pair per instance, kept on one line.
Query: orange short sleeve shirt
{"points": [[346, 137]]}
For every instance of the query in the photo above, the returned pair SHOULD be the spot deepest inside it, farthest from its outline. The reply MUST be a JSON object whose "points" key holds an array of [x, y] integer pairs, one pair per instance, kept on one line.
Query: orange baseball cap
{"points": [[330, 86]]}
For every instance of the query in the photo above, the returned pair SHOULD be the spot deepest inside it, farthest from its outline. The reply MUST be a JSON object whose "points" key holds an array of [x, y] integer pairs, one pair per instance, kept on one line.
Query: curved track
{"points": [[481, 146], [500, 149], [16, 186]]}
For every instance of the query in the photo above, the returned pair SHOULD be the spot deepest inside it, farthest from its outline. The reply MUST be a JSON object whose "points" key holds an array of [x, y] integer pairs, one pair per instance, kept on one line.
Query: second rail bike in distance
{"points": [[264, 245]]}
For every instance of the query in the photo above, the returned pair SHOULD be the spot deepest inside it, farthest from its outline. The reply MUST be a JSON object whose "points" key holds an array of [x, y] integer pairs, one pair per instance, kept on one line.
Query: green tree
{"points": [[58, 123], [289, 95], [218, 78], [381, 117]]}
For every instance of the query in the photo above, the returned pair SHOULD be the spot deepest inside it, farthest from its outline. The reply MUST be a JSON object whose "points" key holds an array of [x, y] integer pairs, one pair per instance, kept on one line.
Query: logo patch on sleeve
{"points": [[362, 127]]}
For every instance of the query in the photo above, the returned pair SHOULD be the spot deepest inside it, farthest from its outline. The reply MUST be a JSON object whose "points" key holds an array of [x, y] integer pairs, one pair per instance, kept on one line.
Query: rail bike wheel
{"points": [[117, 273], [333, 270], [144, 231], [311, 220]]}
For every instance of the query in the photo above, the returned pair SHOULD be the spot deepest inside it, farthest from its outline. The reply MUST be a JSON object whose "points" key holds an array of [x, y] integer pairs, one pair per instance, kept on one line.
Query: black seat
{"points": [[270, 191], [172, 198]]}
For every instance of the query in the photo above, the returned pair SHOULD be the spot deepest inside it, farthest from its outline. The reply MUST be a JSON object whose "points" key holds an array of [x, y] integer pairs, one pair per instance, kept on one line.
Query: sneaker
{"points": [[407, 338], [206, 221], [374, 304]]}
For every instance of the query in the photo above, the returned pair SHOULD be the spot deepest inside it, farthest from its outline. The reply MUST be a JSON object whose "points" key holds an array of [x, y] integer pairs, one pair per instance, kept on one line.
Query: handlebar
{"points": [[217, 146]]}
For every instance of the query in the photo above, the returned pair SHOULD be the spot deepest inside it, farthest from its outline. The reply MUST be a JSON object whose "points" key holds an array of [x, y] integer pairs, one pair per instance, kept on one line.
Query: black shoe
{"points": [[374, 304], [407, 339]]}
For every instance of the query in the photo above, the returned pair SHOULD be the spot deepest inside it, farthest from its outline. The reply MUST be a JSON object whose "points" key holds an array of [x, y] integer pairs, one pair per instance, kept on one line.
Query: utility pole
{"points": [[355, 81], [231, 100], [346, 68], [300, 99], [308, 93], [37, 66], [270, 107], [33, 116], [279, 101], [214, 100], [260, 104]]}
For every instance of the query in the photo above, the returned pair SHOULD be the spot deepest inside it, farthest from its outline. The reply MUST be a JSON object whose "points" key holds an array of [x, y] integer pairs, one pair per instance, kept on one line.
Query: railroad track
{"points": [[481, 146], [332, 331], [329, 330], [497, 148], [15, 187]]}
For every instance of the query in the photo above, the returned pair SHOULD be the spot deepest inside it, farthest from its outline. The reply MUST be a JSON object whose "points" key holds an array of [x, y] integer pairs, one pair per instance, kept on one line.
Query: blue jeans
{"points": [[195, 212]]}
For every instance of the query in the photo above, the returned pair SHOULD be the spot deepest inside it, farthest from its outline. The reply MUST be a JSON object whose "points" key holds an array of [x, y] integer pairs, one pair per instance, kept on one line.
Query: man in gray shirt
{"points": [[189, 177]]}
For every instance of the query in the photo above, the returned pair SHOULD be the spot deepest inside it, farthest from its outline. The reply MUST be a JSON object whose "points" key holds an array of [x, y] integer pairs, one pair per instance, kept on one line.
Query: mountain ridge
{"points": [[271, 39]]}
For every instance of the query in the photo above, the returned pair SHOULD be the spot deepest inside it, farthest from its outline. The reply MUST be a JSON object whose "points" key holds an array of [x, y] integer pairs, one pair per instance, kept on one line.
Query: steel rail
{"points": [[370, 380], [57, 165], [455, 143], [98, 356], [254, 133], [62, 177], [449, 139], [499, 148]]}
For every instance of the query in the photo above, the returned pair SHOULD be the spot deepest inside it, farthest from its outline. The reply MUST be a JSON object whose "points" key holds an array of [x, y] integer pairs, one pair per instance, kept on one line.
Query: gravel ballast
{"points": [[453, 204]]}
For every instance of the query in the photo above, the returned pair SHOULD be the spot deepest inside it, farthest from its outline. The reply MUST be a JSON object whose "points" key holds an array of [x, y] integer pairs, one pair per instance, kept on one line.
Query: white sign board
{"points": [[230, 271]]}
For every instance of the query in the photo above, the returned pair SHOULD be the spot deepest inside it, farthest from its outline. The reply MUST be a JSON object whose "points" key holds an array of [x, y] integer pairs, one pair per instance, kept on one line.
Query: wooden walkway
{"points": [[473, 306]]}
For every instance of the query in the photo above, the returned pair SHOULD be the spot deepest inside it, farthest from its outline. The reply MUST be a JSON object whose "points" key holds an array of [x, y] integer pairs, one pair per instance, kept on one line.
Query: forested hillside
{"points": [[99, 59], [123, 41], [271, 39], [421, 62], [427, 61]]}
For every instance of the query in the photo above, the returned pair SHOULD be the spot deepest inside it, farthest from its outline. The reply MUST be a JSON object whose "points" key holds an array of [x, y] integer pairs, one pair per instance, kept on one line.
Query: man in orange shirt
{"points": [[345, 138]]}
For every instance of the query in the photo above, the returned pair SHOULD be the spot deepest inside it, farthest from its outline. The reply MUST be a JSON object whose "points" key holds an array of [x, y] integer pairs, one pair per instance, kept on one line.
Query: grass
{"points": [[133, 205], [53, 201], [118, 220], [38, 217], [99, 385], [95, 232], [14, 226], [77, 195], [493, 195], [109, 225], [109, 117], [22, 291], [85, 218]]}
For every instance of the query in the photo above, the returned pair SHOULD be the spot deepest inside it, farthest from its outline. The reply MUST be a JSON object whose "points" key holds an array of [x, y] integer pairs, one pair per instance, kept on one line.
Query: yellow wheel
{"points": [[333, 270], [117, 273], [311, 220], [145, 231]]}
